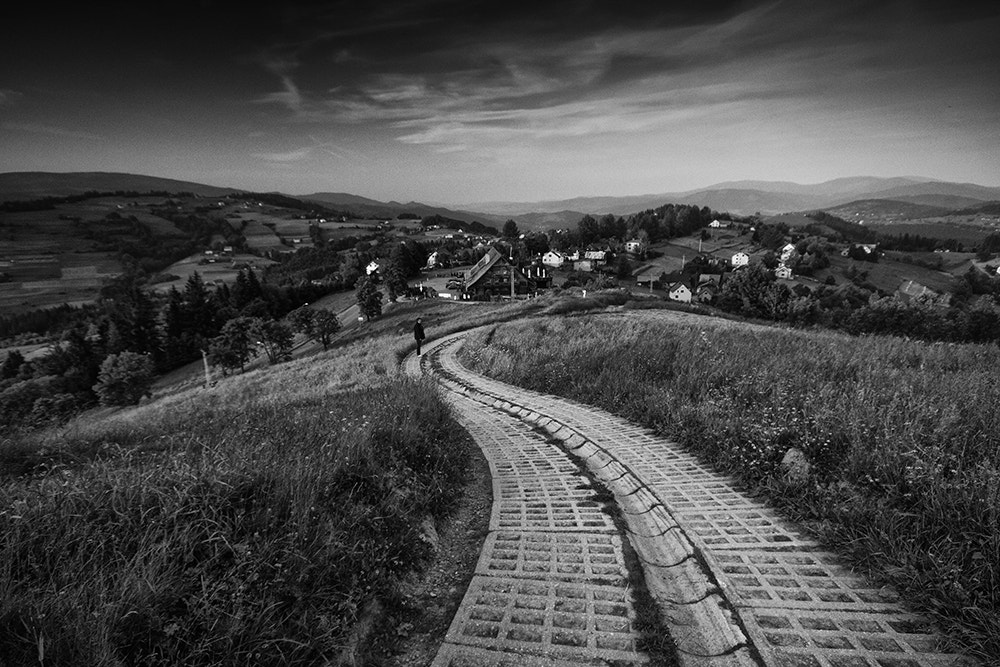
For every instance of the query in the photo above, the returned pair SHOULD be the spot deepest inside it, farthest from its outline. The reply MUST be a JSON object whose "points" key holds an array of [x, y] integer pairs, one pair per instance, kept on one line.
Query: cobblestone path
{"points": [[735, 583]]}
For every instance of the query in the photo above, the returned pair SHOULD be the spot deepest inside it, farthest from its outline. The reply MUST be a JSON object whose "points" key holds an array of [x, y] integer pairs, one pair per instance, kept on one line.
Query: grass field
{"points": [[903, 437], [970, 236], [252, 523]]}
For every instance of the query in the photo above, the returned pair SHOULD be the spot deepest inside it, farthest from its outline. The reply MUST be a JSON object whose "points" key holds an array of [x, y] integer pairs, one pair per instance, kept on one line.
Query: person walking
{"points": [[418, 334]]}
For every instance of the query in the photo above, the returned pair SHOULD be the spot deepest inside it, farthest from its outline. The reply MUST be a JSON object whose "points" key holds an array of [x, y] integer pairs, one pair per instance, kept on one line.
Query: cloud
{"points": [[52, 130], [286, 156]]}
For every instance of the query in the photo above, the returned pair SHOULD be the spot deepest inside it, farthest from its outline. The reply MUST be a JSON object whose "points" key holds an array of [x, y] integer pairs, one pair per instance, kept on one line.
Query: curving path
{"points": [[734, 583]]}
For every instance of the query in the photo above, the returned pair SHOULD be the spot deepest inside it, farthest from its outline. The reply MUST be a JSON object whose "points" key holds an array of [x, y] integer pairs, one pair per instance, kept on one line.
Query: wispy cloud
{"points": [[285, 156], [52, 130]]}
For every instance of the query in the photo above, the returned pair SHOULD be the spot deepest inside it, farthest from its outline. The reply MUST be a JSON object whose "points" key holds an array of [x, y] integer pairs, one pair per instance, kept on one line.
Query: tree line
{"points": [[112, 352]]}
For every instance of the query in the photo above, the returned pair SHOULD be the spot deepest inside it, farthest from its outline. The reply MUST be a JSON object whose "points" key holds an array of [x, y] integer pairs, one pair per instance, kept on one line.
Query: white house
{"points": [[679, 292], [635, 246], [432, 260], [783, 272], [719, 224], [553, 258], [786, 252], [596, 255], [740, 259], [371, 268]]}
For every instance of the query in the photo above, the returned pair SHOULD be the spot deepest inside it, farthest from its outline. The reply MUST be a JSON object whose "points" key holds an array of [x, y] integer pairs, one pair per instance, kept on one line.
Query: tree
{"points": [[395, 279], [276, 339], [317, 325], [235, 345], [11, 365], [369, 298], [746, 292], [125, 378], [510, 230]]}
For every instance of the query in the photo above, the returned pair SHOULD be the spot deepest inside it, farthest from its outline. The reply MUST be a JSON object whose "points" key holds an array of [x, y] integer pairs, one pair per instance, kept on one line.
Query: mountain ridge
{"points": [[736, 197]]}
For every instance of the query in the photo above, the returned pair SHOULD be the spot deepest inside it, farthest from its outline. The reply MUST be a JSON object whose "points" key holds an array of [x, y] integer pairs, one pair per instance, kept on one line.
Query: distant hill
{"points": [[887, 207], [376, 209], [768, 197], [27, 185]]}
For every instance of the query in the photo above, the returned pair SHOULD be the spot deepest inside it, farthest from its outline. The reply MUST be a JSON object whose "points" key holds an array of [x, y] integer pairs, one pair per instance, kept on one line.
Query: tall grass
{"points": [[903, 437], [248, 524]]}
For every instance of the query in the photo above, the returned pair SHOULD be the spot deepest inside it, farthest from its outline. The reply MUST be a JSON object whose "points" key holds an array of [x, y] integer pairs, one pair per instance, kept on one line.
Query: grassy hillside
{"points": [[902, 437], [251, 523], [25, 185]]}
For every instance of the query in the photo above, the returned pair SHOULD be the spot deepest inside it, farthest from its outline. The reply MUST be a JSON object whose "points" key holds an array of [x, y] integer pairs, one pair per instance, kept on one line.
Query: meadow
{"points": [[251, 523], [902, 437]]}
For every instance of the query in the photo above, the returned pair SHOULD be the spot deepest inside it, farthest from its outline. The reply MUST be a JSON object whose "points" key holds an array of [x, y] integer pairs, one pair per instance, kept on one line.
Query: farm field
{"points": [[967, 235], [225, 269], [888, 275]]}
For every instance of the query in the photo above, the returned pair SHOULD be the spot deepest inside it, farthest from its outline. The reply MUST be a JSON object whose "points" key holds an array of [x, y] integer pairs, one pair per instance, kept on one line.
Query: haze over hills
{"points": [[768, 197], [737, 197]]}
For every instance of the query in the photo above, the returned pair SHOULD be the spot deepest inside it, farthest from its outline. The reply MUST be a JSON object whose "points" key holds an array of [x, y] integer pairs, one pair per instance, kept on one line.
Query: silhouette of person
{"points": [[418, 334]]}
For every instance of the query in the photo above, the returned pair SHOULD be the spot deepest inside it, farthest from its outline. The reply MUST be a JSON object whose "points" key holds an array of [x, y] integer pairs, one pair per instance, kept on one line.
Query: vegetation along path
{"points": [[603, 534]]}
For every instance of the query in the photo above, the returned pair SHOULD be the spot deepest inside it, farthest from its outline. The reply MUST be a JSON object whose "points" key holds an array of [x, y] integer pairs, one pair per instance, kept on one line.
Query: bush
{"points": [[125, 378]]}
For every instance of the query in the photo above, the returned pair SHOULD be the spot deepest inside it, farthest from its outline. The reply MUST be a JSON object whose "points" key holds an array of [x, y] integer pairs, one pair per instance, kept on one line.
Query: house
{"points": [[635, 246], [372, 267], [786, 252], [492, 276], [538, 274], [649, 276], [740, 259], [432, 260], [597, 256], [553, 259], [783, 272], [719, 224], [679, 292], [866, 248], [587, 265], [706, 292]]}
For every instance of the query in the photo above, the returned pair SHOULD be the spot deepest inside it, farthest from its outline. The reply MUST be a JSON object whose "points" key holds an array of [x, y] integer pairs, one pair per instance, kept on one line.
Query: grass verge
{"points": [[248, 524]]}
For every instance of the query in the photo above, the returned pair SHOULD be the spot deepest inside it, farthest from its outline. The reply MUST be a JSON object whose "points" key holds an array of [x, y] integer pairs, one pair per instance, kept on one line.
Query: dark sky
{"points": [[468, 101]]}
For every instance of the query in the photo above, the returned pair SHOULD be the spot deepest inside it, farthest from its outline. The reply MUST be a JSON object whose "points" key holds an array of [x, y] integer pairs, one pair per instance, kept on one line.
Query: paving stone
{"points": [[549, 618], [586, 557], [716, 561], [547, 503], [796, 580], [796, 636], [454, 655]]}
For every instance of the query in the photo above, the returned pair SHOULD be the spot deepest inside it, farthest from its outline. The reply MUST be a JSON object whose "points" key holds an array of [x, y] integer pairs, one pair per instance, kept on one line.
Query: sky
{"points": [[463, 101]]}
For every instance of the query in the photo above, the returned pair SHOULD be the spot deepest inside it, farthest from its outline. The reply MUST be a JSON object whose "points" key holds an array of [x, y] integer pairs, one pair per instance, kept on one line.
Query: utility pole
{"points": [[511, 270]]}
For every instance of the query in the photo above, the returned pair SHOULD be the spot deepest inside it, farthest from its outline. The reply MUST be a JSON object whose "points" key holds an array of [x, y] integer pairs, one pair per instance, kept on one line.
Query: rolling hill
{"points": [[27, 185], [769, 197]]}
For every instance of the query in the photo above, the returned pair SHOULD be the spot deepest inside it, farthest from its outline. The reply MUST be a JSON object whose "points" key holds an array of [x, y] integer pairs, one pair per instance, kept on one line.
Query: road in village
{"points": [[735, 584]]}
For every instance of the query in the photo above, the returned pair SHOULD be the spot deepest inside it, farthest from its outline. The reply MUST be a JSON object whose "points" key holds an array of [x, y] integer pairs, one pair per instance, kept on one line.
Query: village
{"points": [[690, 269]]}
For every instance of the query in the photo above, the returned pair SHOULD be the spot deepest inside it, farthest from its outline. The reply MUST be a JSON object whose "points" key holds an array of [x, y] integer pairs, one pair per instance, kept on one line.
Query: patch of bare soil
{"points": [[416, 627]]}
